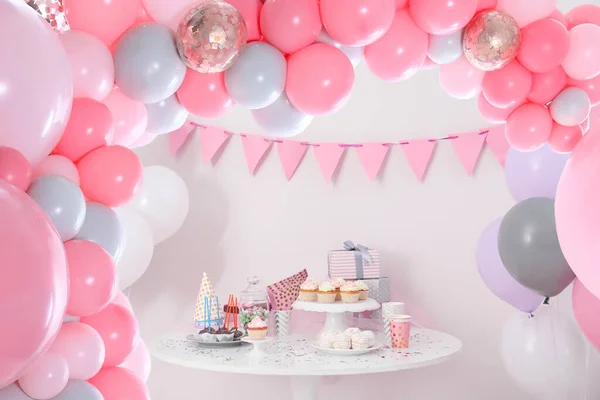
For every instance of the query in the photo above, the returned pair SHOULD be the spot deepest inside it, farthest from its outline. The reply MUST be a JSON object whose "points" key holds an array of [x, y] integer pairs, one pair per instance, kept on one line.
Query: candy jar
{"points": [[254, 302]]}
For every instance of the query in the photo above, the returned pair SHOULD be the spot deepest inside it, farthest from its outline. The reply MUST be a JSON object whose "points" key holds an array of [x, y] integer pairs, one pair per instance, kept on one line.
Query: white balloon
{"points": [[545, 354], [444, 49], [355, 54], [571, 107], [138, 246], [163, 201]]}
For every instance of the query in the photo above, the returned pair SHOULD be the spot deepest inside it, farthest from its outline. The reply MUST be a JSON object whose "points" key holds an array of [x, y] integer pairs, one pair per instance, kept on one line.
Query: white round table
{"points": [[296, 358]]}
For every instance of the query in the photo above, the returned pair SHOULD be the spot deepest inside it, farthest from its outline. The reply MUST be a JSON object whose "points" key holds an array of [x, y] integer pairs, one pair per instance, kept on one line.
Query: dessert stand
{"points": [[336, 312]]}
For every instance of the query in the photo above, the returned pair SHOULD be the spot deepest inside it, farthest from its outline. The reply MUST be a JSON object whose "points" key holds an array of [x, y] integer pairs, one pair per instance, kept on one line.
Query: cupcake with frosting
{"points": [[326, 293], [337, 284], [364, 290], [350, 292], [308, 291], [257, 329]]}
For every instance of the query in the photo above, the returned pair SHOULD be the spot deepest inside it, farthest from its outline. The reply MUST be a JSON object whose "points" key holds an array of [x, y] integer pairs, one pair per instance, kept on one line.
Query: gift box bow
{"points": [[361, 253]]}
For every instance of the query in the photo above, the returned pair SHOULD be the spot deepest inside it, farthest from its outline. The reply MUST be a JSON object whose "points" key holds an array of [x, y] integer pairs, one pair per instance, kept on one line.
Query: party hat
{"points": [[207, 312]]}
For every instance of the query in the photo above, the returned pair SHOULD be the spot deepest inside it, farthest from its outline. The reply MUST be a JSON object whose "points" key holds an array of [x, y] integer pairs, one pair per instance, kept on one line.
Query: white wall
{"points": [[241, 225]]}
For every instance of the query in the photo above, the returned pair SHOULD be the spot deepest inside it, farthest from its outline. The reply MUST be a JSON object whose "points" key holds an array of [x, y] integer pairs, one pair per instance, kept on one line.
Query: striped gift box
{"points": [[342, 264]]}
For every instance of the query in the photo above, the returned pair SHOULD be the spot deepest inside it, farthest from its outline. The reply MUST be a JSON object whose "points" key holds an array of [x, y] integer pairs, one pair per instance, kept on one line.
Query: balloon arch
{"points": [[100, 78]]}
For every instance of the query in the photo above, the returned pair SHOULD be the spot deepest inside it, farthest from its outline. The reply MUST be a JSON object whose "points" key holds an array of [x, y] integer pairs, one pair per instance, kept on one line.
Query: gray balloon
{"points": [[14, 392], [79, 390], [444, 49], [102, 226], [282, 119], [529, 248], [62, 201], [257, 78], [147, 65], [165, 116]]}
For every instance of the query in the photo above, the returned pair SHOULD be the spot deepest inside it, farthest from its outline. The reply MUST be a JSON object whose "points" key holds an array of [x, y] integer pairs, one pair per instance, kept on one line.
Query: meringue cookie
{"points": [[351, 331], [363, 340], [342, 342], [326, 339]]}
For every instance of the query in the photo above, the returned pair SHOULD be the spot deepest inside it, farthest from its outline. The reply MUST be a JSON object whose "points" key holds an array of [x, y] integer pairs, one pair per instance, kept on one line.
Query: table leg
{"points": [[335, 321], [305, 387]]}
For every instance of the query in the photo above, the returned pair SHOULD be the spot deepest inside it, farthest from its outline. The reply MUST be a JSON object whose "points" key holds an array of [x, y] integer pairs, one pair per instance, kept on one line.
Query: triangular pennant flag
{"points": [[291, 154], [372, 156], [328, 156], [468, 147], [179, 137], [496, 140], [212, 139], [418, 153], [255, 148]]}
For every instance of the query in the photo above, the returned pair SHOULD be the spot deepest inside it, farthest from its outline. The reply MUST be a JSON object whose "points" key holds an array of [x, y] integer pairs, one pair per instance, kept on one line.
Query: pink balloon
{"points": [[529, 127], [92, 278], [546, 86], [591, 86], [526, 12], [106, 20], [401, 4], [130, 117], [91, 65], [486, 5], [120, 384], [563, 139], [139, 361], [110, 175], [14, 168], [401, 52], [122, 300], [46, 378], [119, 331], [169, 12], [82, 348], [441, 17], [544, 45], [57, 165], [460, 79], [357, 22], [507, 86], [319, 79], [290, 25], [204, 95], [33, 283], [586, 308], [250, 10], [36, 90], [583, 59], [560, 17], [583, 14], [90, 127], [493, 114]]}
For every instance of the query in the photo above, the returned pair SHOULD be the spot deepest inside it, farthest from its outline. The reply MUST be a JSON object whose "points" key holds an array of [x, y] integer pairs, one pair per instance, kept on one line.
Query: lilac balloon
{"points": [[535, 173], [495, 275]]}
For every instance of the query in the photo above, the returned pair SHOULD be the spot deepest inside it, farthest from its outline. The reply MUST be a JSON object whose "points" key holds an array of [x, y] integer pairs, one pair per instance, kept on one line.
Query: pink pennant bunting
{"points": [[212, 140], [180, 137], [291, 154], [328, 156], [468, 147], [418, 153], [372, 157], [255, 148], [496, 140]]}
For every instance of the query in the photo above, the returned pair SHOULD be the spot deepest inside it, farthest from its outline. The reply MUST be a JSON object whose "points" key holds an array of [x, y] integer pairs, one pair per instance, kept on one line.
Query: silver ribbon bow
{"points": [[361, 255]]}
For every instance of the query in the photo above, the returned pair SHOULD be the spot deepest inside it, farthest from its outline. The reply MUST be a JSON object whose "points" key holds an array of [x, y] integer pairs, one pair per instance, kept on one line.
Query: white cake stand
{"points": [[336, 317]]}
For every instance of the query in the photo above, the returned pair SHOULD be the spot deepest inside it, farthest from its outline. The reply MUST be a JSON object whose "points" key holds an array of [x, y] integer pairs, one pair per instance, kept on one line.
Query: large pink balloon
{"points": [[290, 25], [91, 65], [442, 17], [591, 86], [586, 308], [546, 86], [357, 22], [92, 278], [460, 79], [57, 165], [169, 12], [583, 14], [507, 86], [204, 95], [526, 12], [319, 79], [250, 10], [110, 175], [119, 331], [46, 378], [139, 361], [14, 168], [577, 211], [106, 20], [401, 52], [583, 59], [36, 88], [91, 126], [544, 45], [33, 282], [130, 117], [82, 347], [529, 127], [120, 384]]}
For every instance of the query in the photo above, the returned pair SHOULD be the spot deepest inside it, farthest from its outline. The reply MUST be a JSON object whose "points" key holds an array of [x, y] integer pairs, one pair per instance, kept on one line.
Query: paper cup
{"points": [[392, 308], [400, 331]]}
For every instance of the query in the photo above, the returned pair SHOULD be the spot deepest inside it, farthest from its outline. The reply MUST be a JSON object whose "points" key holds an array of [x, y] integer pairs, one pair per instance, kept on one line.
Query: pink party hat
{"points": [[207, 312]]}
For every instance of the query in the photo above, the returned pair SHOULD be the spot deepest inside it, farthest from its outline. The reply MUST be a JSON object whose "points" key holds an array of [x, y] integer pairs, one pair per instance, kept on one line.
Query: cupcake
{"points": [[337, 284], [326, 293], [257, 329], [364, 290], [308, 291], [350, 293]]}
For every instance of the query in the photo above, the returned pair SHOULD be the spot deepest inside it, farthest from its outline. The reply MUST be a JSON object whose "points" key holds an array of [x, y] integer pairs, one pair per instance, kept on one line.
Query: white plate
{"points": [[197, 340], [344, 352]]}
